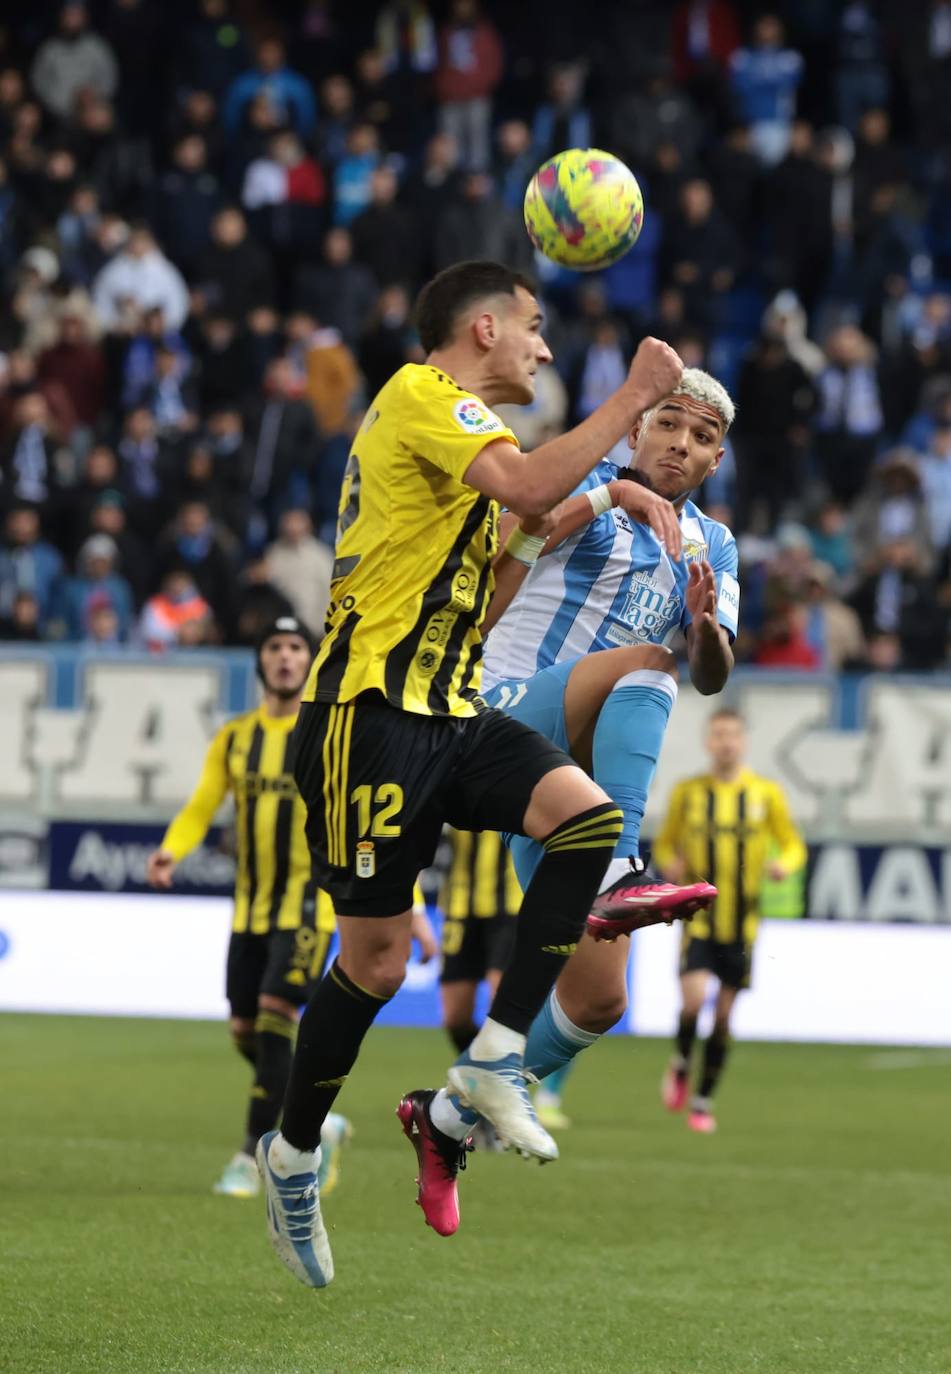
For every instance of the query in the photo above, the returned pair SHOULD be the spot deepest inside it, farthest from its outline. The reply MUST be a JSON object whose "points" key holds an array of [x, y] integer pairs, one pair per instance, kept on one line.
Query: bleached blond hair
{"points": [[700, 386]]}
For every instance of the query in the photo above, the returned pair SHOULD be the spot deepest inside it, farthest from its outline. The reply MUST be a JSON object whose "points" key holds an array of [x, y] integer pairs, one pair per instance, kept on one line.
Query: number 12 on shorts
{"points": [[377, 809]]}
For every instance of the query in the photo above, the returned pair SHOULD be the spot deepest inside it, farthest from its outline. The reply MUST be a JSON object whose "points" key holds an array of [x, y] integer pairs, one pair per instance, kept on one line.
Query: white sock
{"points": [[448, 1118], [566, 1027], [286, 1161], [495, 1041], [617, 868]]}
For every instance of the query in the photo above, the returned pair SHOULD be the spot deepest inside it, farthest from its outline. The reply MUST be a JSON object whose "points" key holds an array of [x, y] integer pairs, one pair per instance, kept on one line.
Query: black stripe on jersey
{"points": [[252, 765], [437, 697], [331, 671], [282, 839], [501, 876], [711, 847], [400, 658], [740, 864]]}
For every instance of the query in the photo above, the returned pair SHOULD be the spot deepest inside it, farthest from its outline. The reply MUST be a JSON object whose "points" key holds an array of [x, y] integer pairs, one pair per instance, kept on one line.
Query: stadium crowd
{"points": [[214, 218]]}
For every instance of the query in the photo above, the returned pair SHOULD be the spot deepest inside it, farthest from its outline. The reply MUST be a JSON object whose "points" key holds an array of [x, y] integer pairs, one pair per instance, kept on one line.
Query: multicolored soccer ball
{"points": [[583, 209]]}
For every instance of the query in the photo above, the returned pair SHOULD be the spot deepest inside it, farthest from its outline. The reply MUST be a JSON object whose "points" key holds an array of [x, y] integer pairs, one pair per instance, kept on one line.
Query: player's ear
{"points": [[634, 435], [716, 462], [485, 329]]}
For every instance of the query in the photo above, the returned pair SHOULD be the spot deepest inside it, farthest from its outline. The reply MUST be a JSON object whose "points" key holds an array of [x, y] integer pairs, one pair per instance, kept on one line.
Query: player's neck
{"points": [[466, 370], [728, 774], [279, 708]]}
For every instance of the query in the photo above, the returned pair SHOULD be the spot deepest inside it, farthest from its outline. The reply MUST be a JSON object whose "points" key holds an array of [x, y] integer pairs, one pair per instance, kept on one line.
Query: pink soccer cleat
{"points": [[702, 1121], [674, 1088], [440, 1159], [637, 900]]}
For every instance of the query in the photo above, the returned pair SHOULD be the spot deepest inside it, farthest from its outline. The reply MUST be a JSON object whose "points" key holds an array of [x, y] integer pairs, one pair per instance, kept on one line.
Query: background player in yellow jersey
{"points": [[392, 743], [731, 827], [282, 924]]}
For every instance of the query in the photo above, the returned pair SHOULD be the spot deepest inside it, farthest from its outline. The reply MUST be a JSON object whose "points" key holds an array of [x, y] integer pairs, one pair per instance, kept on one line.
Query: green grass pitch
{"points": [[810, 1236]]}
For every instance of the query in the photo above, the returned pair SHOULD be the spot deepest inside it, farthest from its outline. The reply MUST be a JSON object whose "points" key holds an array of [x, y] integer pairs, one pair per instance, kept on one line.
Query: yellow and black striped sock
{"points": [[554, 910], [329, 1037], [274, 1035]]}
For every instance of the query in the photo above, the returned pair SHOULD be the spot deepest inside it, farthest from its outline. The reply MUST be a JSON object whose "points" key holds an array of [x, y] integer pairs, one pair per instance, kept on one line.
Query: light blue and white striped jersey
{"points": [[608, 585]]}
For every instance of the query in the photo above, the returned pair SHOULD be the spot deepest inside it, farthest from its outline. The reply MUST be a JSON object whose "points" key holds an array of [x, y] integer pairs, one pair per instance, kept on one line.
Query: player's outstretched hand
{"points": [[159, 869], [655, 372], [647, 508], [702, 595]]}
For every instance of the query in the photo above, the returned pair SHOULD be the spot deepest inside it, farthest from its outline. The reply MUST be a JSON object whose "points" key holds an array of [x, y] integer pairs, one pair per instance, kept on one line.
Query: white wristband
{"points": [[601, 499], [523, 547]]}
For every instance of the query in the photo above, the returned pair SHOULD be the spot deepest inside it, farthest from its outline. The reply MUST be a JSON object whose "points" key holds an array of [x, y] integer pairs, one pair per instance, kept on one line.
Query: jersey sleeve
{"points": [[445, 426], [666, 846], [190, 826], [792, 851], [725, 563]]}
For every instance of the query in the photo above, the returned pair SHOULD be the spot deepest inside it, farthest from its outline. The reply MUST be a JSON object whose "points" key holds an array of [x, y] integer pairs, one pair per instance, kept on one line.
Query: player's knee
{"points": [[242, 1036], [381, 972], [604, 1009], [656, 658], [721, 1027]]}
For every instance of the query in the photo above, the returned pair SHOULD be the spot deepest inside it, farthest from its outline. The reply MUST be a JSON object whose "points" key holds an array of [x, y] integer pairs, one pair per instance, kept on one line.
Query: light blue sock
{"points": [[627, 742], [553, 1040]]}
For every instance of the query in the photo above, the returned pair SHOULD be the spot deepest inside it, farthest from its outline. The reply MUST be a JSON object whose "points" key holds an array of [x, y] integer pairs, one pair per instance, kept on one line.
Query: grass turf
{"points": [[808, 1237]]}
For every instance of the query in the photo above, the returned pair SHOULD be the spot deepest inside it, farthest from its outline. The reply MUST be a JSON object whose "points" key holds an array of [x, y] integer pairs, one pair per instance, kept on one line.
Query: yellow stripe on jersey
{"points": [[481, 881], [336, 757], [252, 756], [724, 832], [413, 572]]}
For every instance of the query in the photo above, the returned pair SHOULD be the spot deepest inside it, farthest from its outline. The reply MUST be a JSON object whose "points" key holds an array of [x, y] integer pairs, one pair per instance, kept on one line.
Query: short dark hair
{"points": [[727, 713], [453, 290]]}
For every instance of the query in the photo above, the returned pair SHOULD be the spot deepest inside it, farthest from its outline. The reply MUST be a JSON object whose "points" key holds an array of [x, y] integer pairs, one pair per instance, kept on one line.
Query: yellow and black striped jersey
{"points": [[481, 880], [252, 758], [725, 832], [413, 571]]}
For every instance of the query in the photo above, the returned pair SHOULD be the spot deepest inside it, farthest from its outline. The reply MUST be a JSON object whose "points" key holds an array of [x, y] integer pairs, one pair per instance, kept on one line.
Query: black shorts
{"points": [[282, 963], [474, 945], [732, 964], [380, 783]]}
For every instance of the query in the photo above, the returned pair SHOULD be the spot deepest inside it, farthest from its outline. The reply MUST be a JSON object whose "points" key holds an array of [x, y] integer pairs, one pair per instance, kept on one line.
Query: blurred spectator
{"points": [[832, 628], [878, 161], [223, 365], [354, 173], [602, 368], [514, 163], [785, 319], [176, 615], [339, 292], [891, 506], [234, 275], [785, 643], [432, 188], [196, 541], [134, 560], [28, 564], [700, 252], [77, 364], [798, 195], [545, 418], [73, 59], [196, 113], [141, 277], [259, 603], [76, 231], [849, 418], [286, 93], [774, 400], [861, 75], [390, 341], [184, 202], [765, 76], [284, 441], [135, 353], [323, 364], [405, 37], [146, 459], [705, 36], [898, 605], [469, 69], [934, 466], [921, 363], [172, 395], [935, 411], [21, 624], [212, 52], [283, 192], [99, 474], [103, 630], [736, 173], [476, 224], [563, 120], [300, 567], [336, 118], [385, 238], [652, 113], [96, 584], [34, 467], [833, 539]]}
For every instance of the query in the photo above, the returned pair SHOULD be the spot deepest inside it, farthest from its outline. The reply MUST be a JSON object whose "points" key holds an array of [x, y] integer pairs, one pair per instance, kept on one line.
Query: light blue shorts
{"points": [[537, 701]]}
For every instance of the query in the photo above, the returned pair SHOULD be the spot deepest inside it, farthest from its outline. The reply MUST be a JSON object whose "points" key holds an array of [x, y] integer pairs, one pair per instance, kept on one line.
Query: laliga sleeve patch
{"points": [[728, 603], [474, 418]]}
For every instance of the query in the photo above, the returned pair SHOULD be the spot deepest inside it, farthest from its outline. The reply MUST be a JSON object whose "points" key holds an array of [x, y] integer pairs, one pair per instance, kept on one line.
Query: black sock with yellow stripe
{"points": [[554, 910], [329, 1037], [274, 1037]]}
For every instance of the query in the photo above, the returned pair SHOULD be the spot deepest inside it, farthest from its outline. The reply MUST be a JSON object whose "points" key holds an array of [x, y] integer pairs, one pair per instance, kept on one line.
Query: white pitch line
{"points": [[909, 1059]]}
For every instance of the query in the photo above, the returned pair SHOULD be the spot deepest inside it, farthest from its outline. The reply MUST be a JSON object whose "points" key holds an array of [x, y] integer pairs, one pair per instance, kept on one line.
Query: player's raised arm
{"points": [[189, 827], [531, 483]]}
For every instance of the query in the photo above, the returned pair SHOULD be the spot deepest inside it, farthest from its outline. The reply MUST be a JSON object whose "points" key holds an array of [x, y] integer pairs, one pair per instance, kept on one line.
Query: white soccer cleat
{"points": [[294, 1223], [240, 1178], [497, 1090]]}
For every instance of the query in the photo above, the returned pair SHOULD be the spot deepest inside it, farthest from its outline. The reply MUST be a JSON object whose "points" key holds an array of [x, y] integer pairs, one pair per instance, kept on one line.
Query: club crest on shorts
{"points": [[366, 858]]}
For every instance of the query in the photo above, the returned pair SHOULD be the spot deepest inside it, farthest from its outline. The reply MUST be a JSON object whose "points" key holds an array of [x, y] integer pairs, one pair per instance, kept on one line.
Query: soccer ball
{"points": [[583, 209]]}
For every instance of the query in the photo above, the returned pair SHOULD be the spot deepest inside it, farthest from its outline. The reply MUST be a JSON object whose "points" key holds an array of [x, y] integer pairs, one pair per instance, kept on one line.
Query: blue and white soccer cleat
{"points": [[497, 1089], [294, 1223]]}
